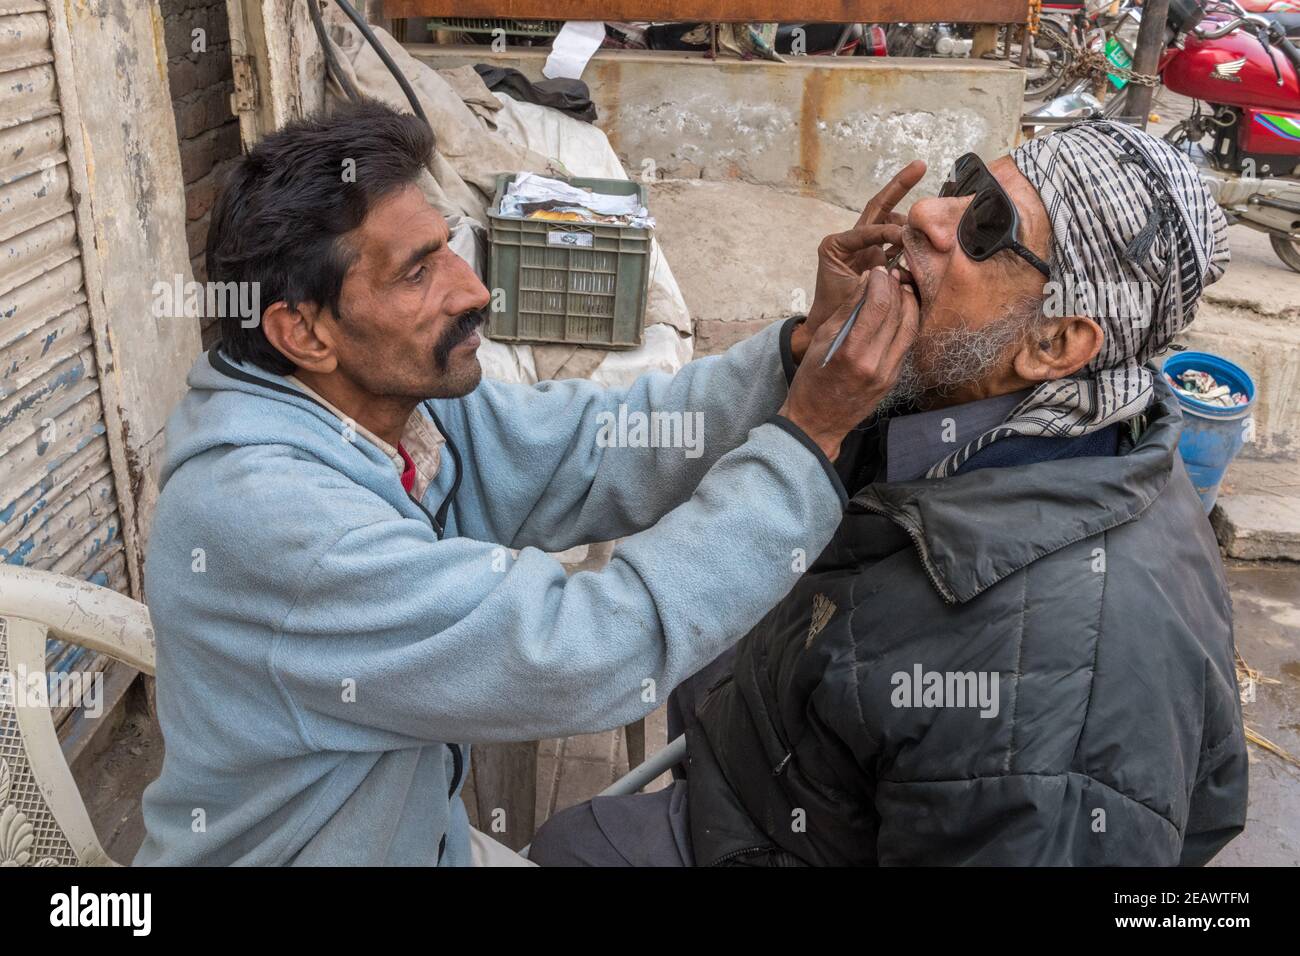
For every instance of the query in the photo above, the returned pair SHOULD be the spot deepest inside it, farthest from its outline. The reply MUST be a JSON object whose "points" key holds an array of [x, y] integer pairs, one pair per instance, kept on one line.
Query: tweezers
{"points": [[843, 333]]}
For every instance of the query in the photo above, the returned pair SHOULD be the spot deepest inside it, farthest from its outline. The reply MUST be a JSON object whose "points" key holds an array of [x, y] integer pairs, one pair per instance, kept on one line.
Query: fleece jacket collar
{"points": [[216, 414]]}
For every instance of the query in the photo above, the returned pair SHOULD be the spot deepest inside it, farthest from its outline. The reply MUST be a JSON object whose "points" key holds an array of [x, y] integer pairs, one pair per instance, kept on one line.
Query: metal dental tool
{"points": [[843, 333]]}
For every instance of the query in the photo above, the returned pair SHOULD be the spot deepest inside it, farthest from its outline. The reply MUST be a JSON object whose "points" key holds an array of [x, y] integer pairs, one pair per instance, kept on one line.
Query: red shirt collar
{"points": [[408, 473]]}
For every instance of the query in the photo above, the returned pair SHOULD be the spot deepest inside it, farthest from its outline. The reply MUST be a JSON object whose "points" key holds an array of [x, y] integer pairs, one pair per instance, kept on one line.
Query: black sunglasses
{"points": [[990, 222]]}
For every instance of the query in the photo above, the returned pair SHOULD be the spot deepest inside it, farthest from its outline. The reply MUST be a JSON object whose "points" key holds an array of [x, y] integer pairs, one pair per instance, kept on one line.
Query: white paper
{"points": [[573, 47], [531, 188]]}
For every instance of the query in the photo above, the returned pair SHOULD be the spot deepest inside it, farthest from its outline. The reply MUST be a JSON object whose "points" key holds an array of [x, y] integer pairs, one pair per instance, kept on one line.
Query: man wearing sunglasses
{"points": [[1017, 648]]}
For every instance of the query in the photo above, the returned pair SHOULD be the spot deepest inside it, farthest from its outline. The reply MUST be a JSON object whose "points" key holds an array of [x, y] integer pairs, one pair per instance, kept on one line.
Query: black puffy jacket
{"points": [[1092, 588]]}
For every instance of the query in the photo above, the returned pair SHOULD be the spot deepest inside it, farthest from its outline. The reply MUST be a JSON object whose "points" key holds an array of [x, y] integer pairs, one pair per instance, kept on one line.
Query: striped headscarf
{"points": [[1125, 208]]}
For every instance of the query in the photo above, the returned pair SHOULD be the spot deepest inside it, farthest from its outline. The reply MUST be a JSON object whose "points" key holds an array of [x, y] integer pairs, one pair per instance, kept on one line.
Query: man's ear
{"points": [[1059, 348], [301, 335]]}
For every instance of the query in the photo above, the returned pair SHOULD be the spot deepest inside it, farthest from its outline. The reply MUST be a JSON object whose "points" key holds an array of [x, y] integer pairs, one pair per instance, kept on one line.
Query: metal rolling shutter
{"points": [[58, 506]]}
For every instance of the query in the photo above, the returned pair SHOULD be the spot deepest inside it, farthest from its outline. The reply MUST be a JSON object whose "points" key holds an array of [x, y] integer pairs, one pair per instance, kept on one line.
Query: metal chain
{"points": [[1093, 63]]}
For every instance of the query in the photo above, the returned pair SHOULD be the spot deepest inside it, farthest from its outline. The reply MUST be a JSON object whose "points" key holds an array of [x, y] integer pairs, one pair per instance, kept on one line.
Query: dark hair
{"points": [[286, 203]]}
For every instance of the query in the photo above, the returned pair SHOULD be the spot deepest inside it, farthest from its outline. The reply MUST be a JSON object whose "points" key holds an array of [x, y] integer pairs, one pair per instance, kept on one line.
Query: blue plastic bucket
{"points": [[1212, 434]]}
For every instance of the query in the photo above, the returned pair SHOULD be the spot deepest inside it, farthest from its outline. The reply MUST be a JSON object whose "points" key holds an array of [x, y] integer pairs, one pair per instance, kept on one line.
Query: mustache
{"points": [[461, 328]]}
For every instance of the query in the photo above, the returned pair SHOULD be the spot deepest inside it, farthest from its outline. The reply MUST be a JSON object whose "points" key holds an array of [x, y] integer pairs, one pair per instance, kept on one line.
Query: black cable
{"points": [[331, 61], [373, 40]]}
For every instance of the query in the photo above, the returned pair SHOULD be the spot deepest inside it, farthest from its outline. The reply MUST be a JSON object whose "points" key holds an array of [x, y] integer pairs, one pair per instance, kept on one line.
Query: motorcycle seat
{"points": [[1289, 22]]}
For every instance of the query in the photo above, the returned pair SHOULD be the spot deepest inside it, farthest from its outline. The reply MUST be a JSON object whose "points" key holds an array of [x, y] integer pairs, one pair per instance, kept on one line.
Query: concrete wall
{"points": [[206, 130], [832, 128], [743, 255]]}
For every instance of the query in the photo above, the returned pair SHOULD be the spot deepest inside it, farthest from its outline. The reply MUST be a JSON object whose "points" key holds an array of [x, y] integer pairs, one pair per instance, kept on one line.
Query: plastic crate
{"points": [[568, 282]]}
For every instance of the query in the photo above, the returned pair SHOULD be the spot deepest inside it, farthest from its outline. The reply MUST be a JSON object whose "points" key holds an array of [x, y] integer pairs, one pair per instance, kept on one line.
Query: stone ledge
{"points": [[1258, 526]]}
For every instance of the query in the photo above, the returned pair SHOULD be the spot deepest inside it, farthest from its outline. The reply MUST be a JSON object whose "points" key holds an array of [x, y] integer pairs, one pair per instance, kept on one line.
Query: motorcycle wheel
{"points": [[1288, 250], [899, 41], [1177, 135], [1052, 44]]}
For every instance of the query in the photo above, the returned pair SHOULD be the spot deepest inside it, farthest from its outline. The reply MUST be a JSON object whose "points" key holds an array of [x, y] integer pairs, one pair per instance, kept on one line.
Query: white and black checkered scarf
{"points": [[1124, 207]]}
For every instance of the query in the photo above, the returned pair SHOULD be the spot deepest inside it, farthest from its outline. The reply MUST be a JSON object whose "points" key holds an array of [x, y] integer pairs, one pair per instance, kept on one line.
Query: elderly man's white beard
{"points": [[942, 361]]}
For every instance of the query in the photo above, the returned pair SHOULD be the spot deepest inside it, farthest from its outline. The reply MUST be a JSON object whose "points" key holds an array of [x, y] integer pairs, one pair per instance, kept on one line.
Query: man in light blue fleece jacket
{"points": [[332, 571]]}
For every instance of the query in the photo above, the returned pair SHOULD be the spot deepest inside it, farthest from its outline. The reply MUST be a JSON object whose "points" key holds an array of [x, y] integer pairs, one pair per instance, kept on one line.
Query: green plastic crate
{"points": [[568, 282]]}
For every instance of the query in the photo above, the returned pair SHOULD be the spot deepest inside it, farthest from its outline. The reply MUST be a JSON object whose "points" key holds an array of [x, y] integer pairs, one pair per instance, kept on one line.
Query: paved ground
{"points": [[748, 268], [112, 781], [1266, 612]]}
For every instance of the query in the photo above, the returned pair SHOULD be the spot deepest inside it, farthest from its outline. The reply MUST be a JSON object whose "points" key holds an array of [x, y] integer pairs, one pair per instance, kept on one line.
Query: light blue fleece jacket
{"points": [[326, 653]]}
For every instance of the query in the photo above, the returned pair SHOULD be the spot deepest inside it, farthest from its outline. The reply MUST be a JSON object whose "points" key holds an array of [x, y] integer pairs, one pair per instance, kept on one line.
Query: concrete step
{"points": [[1258, 527], [1257, 514]]}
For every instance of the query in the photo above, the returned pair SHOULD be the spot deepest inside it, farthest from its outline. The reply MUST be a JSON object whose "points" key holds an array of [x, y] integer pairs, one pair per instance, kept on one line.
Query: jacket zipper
{"points": [[919, 542], [437, 528], [440, 520], [736, 854], [439, 523], [457, 771]]}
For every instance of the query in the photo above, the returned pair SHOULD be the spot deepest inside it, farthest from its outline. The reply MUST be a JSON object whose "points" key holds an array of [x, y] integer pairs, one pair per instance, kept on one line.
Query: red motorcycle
{"points": [[1246, 72]]}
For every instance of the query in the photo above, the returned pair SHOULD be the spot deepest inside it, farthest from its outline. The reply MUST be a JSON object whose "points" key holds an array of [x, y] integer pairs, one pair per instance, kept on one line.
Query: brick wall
{"points": [[208, 133]]}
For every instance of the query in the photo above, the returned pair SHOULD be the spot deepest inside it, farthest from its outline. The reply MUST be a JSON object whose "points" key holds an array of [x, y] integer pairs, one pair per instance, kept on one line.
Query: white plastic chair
{"points": [[43, 820]]}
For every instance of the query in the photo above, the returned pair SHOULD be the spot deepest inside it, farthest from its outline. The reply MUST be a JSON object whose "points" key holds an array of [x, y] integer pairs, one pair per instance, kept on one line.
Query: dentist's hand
{"points": [[827, 403], [844, 256]]}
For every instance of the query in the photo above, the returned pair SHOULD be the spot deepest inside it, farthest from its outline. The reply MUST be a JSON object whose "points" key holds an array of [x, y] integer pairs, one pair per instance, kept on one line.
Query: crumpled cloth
{"points": [[567, 96]]}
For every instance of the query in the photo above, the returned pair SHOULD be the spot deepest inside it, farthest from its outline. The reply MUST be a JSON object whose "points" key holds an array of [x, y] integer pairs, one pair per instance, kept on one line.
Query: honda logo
{"points": [[1228, 70]]}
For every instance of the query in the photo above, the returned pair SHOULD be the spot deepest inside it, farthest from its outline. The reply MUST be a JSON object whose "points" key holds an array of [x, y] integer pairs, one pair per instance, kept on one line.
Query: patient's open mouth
{"points": [[904, 268]]}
